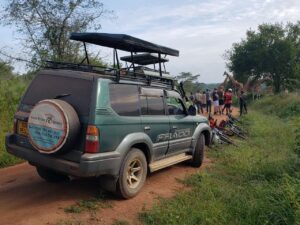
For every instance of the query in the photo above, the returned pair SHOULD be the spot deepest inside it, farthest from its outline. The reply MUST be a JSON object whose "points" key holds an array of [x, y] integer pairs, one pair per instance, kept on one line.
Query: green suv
{"points": [[114, 123]]}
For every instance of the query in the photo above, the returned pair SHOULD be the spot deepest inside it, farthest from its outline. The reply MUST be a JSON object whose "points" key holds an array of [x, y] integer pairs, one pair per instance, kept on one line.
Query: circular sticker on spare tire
{"points": [[48, 127]]}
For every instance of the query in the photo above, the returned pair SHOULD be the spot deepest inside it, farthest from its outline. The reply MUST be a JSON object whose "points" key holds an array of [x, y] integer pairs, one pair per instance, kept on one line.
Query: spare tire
{"points": [[53, 126]]}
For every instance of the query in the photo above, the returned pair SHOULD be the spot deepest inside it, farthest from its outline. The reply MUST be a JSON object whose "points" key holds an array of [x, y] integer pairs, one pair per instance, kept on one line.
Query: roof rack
{"points": [[126, 43], [143, 59], [141, 75]]}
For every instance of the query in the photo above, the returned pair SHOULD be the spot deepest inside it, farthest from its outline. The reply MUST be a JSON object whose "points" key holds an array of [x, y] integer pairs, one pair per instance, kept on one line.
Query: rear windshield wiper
{"points": [[61, 96]]}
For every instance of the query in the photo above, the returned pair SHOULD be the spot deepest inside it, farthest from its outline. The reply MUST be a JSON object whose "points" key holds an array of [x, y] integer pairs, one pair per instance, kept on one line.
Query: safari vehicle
{"points": [[114, 123]]}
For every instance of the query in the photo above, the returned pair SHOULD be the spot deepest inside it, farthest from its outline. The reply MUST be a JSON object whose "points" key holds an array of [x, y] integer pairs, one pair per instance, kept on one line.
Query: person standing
{"points": [[228, 101], [203, 100], [243, 102], [198, 98], [221, 99], [215, 98], [192, 98], [208, 101]]}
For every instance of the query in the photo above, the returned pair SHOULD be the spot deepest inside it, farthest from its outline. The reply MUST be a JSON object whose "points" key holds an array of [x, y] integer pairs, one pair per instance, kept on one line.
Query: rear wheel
{"points": [[238, 133], [198, 154], [133, 174], [226, 139], [51, 175], [228, 132]]}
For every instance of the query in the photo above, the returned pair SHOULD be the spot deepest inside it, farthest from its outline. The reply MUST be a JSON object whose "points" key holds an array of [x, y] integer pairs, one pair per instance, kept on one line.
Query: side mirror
{"points": [[192, 111]]}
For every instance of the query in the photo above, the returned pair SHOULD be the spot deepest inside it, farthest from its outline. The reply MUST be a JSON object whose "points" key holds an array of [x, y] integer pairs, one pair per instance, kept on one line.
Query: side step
{"points": [[169, 161]]}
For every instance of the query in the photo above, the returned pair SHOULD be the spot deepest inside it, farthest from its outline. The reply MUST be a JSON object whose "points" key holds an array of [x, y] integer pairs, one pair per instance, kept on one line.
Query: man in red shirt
{"points": [[228, 101]]}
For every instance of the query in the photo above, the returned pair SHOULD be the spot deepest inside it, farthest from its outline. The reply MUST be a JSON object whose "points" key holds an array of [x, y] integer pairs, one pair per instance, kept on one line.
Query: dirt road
{"points": [[26, 199]]}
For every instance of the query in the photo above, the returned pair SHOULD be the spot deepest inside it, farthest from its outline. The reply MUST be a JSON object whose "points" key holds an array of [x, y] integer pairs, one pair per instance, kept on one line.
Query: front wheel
{"points": [[133, 173], [198, 154]]}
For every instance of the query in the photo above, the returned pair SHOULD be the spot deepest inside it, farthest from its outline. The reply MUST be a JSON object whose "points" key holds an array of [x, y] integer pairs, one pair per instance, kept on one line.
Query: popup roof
{"points": [[123, 42]]}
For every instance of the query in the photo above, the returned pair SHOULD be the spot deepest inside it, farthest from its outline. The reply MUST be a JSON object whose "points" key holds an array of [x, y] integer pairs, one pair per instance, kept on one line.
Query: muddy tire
{"points": [[198, 154], [133, 174], [51, 175]]}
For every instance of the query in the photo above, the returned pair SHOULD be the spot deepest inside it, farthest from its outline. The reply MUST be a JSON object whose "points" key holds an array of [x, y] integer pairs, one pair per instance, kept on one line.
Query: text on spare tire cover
{"points": [[47, 127]]}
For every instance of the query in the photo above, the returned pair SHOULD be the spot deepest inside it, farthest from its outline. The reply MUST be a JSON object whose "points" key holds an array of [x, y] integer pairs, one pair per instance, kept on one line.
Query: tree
{"points": [[46, 26], [189, 81], [6, 70], [271, 51]]}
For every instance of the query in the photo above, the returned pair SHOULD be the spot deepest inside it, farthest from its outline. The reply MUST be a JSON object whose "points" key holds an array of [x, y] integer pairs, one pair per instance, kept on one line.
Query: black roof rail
{"points": [[143, 75]]}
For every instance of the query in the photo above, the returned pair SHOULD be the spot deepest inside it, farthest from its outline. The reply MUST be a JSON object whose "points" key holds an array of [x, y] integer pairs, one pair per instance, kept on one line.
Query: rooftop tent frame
{"points": [[144, 59], [125, 43]]}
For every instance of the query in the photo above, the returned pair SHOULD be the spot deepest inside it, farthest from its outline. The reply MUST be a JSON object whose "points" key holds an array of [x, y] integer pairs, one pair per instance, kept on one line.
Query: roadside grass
{"points": [[257, 182], [120, 222], [284, 106], [11, 92], [92, 204]]}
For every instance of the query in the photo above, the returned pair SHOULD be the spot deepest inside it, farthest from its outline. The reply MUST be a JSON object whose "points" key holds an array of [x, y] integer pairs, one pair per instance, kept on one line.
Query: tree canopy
{"points": [[273, 50], [189, 81], [45, 26]]}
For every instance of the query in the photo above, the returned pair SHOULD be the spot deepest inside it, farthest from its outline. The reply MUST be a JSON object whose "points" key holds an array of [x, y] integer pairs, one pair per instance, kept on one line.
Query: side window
{"points": [[175, 106], [124, 99], [152, 105]]}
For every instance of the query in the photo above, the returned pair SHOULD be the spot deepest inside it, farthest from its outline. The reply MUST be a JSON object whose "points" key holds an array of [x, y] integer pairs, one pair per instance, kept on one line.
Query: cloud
{"points": [[202, 30]]}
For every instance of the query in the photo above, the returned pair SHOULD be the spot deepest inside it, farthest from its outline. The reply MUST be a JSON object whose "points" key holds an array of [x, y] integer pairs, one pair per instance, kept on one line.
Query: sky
{"points": [[202, 30]]}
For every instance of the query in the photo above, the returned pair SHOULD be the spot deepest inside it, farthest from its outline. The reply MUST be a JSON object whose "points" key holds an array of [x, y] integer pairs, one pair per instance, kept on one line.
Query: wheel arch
{"points": [[136, 140], [204, 129], [207, 137], [145, 149]]}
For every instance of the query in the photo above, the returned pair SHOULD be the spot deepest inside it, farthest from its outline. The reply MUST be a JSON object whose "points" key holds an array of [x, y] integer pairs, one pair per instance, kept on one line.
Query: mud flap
{"points": [[108, 183]]}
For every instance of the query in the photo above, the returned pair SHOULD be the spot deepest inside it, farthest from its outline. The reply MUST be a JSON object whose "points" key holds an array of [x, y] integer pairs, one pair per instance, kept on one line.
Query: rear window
{"points": [[77, 91]]}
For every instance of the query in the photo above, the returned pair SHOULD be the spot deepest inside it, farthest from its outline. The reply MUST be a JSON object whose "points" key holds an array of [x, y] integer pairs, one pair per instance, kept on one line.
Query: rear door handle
{"points": [[147, 128]]}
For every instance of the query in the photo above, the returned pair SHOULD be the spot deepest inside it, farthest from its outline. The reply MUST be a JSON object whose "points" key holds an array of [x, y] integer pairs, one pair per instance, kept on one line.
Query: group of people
{"points": [[218, 98]]}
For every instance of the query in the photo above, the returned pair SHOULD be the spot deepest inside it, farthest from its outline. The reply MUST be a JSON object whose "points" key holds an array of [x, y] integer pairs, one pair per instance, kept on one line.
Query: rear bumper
{"points": [[90, 164]]}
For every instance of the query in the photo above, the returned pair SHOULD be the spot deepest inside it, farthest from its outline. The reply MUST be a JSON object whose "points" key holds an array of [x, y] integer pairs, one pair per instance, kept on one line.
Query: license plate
{"points": [[22, 128]]}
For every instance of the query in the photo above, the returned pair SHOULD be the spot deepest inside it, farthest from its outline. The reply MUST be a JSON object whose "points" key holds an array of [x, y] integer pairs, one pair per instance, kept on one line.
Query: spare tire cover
{"points": [[53, 125]]}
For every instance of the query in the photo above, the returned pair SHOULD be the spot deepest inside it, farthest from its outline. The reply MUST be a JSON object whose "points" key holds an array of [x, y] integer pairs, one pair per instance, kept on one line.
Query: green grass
{"points": [[255, 183], [284, 106], [91, 204], [11, 92]]}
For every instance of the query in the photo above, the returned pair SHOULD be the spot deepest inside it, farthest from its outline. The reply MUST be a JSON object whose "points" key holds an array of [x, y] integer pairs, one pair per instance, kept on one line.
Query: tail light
{"points": [[92, 139]]}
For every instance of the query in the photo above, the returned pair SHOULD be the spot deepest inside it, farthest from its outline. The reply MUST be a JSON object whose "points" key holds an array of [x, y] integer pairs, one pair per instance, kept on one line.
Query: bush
{"points": [[284, 106], [11, 91]]}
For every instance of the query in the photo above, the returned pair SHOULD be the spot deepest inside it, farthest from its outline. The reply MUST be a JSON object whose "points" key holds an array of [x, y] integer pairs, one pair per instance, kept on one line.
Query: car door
{"points": [[181, 124], [154, 120]]}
